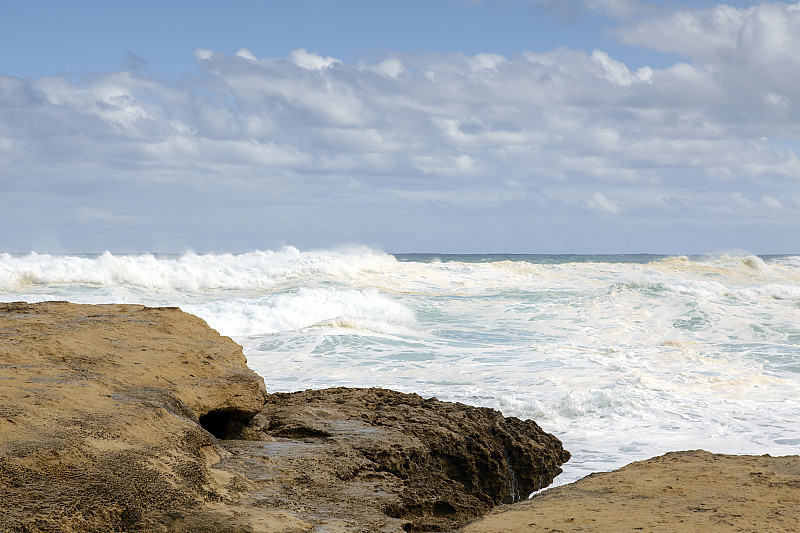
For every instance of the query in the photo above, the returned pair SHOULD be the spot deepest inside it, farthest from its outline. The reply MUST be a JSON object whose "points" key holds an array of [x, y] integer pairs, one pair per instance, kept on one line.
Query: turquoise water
{"points": [[622, 357]]}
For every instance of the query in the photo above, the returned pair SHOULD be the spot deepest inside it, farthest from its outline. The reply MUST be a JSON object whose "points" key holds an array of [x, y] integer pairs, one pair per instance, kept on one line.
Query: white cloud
{"points": [[617, 72], [771, 32], [203, 54], [771, 203], [309, 60], [485, 61], [540, 116], [244, 53], [698, 34], [391, 67], [767, 34], [542, 131], [15, 92], [774, 99], [598, 202], [622, 9], [465, 164]]}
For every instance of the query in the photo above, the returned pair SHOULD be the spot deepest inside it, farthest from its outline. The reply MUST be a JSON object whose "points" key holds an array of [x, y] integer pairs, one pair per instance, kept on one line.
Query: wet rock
{"points": [[436, 464]]}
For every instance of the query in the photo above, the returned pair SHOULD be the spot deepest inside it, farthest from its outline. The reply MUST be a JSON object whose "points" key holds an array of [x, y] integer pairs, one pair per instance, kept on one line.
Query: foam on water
{"points": [[363, 310], [622, 357], [190, 272]]}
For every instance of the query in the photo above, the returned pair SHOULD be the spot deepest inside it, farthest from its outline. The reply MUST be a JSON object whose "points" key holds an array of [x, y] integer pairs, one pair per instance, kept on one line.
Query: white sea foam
{"points": [[191, 272], [622, 359], [364, 310]]}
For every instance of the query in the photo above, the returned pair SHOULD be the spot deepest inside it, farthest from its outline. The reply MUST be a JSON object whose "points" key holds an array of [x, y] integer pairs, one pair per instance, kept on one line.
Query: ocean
{"points": [[623, 357]]}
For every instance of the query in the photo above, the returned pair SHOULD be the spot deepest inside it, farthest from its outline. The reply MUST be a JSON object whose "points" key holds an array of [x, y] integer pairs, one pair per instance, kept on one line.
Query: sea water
{"points": [[621, 357]]}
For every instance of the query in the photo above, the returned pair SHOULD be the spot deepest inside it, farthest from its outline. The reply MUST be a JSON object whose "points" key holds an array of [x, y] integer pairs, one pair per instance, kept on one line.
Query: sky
{"points": [[451, 126]]}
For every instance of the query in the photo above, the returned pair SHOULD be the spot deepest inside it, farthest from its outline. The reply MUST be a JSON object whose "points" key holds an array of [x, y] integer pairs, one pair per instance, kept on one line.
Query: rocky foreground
{"points": [[128, 418], [689, 491]]}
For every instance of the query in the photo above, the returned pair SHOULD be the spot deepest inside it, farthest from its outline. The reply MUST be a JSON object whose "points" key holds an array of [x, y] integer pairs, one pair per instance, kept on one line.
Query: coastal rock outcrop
{"points": [[686, 491], [100, 417], [425, 465], [129, 418]]}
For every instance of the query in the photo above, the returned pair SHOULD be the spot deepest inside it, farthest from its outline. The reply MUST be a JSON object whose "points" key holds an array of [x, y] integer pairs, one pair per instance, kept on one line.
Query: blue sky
{"points": [[583, 126], [97, 35]]}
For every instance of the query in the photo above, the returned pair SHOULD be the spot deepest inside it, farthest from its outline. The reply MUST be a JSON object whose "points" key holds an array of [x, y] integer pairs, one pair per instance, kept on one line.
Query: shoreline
{"points": [[134, 418]]}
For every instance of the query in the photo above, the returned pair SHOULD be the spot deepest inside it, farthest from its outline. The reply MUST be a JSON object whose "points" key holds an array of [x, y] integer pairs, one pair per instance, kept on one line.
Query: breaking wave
{"points": [[622, 357], [191, 272]]}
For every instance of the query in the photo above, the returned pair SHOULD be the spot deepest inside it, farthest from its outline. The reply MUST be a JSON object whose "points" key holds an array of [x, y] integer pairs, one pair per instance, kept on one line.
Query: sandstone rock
{"points": [[686, 491], [99, 418], [129, 418]]}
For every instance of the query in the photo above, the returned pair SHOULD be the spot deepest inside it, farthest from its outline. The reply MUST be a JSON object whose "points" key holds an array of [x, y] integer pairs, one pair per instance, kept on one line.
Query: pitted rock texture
{"points": [[436, 464], [129, 418], [99, 419], [679, 492]]}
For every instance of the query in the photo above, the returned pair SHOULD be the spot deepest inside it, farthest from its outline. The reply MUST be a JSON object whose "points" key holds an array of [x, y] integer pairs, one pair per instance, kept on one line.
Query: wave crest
{"points": [[190, 271]]}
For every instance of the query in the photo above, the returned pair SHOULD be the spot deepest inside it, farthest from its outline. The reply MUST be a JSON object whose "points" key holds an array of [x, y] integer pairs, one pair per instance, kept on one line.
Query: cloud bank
{"points": [[544, 149]]}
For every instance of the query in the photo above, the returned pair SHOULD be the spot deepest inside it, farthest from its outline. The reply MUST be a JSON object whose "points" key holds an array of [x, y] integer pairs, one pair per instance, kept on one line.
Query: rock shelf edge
{"points": [[130, 418]]}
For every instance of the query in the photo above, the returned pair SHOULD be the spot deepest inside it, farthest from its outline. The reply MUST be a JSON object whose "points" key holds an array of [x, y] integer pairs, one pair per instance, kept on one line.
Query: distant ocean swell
{"points": [[623, 357]]}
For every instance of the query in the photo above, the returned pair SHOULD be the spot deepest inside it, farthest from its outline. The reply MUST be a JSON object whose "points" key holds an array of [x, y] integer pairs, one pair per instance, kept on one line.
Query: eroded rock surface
{"points": [[99, 419], [129, 418], [679, 492], [375, 459]]}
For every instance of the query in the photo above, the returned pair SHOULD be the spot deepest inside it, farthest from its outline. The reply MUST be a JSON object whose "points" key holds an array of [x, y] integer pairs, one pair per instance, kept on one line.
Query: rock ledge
{"points": [[678, 492], [129, 418]]}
